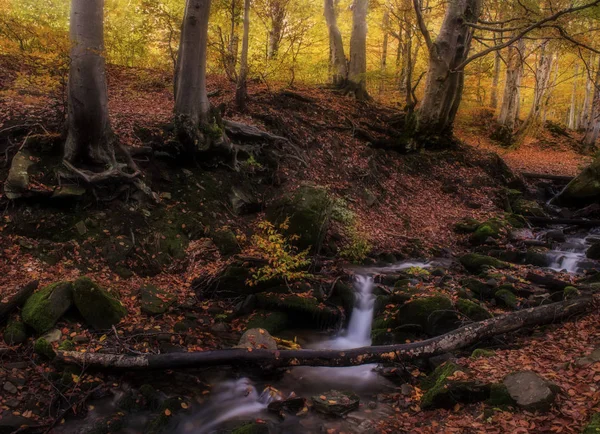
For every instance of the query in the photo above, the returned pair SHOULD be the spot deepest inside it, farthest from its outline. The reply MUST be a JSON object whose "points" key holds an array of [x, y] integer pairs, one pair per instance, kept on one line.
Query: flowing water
{"points": [[569, 256]]}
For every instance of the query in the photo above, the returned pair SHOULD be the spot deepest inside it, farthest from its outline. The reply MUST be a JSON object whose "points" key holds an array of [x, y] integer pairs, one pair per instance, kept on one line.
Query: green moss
{"points": [[489, 229], [98, 307], [476, 263], [515, 220], [67, 345], [251, 428], [226, 241], [44, 308], [472, 310], [44, 348], [435, 314], [15, 333], [481, 352], [159, 423], [506, 298], [527, 208], [593, 427], [479, 288], [499, 396], [155, 301], [466, 226], [343, 295], [273, 322], [302, 311], [436, 382], [570, 292], [537, 257]]}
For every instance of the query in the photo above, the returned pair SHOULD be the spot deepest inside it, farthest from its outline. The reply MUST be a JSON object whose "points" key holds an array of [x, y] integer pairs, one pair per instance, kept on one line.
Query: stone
{"points": [[68, 191], [593, 252], [445, 390], [44, 348], [44, 308], [257, 338], [10, 423], [9, 387], [406, 389], [526, 207], [556, 235], [15, 333], [521, 234], [435, 314], [476, 263], [530, 391], [243, 201], [506, 298], [336, 403], [155, 301], [81, 227], [226, 241], [583, 189], [81, 339], [219, 327], [466, 226], [53, 335], [472, 311], [17, 182], [98, 308]]}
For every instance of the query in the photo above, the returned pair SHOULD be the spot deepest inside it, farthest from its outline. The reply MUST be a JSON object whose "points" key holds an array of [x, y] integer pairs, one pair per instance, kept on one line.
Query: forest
{"points": [[299, 216]]}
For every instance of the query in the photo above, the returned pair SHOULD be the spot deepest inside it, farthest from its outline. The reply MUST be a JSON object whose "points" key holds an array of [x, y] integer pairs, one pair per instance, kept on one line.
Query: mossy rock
{"points": [[309, 211], [343, 295], [476, 263], [44, 308], [303, 312], [528, 208], [251, 428], [473, 311], [570, 292], [44, 348], [515, 220], [593, 427], [443, 392], [161, 421], [466, 226], [506, 298], [226, 241], [584, 188], [593, 252], [537, 257], [67, 345], [155, 301], [336, 403], [273, 322], [499, 396], [482, 353], [490, 229], [386, 336], [381, 301], [15, 333], [151, 396], [435, 314], [98, 308], [108, 425], [479, 288]]}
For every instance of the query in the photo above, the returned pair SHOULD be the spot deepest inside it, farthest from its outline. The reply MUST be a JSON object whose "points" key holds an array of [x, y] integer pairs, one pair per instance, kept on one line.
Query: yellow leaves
{"points": [[75, 378]]}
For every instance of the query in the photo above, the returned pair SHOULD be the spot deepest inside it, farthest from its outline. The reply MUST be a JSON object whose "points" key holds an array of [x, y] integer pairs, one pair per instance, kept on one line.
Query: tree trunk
{"points": [[384, 49], [509, 110], [338, 58], [358, 51], [90, 138], [444, 85], [277, 15], [241, 92], [459, 338], [542, 81], [192, 107], [593, 126], [573, 110], [585, 111], [495, 80]]}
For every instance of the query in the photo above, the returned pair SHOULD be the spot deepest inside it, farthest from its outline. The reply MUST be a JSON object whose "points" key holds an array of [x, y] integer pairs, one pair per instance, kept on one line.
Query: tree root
{"points": [[459, 338]]}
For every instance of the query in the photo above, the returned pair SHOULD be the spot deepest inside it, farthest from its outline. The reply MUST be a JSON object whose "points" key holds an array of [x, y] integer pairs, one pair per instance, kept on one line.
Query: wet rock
{"points": [[44, 308], [472, 310], [291, 405], [583, 189], [10, 423], [308, 210], [445, 387], [303, 312], [556, 235], [435, 314], [476, 263], [9, 387], [528, 208], [17, 182], [593, 252], [243, 201], [336, 403], [257, 339], [15, 333], [155, 301], [98, 308], [506, 298], [252, 428], [530, 391]]}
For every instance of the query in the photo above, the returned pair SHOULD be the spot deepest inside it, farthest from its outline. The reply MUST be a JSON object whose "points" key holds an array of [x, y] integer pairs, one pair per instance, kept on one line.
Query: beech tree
{"points": [[338, 60], [509, 109], [593, 126], [357, 69], [241, 92]]}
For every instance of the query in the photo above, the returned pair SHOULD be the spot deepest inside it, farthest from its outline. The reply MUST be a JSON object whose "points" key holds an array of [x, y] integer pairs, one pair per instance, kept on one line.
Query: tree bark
{"points": [[192, 107], [338, 58], [17, 300], [90, 138], [573, 118], [593, 126], [585, 111], [509, 110], [357, 85], [384, 49], [241, 92], [444, 85], [454, 340], [277, 14]]}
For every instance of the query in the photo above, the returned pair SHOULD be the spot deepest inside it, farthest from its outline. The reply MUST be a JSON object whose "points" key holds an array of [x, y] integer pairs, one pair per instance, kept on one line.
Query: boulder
{"points": [[257, 339], [243, 201], [593, 252], [506, 298], [583, 189], [435, 315], [336, 403], [479, 288], [472, 311], [15, 333], [303, 312], [528, 208], [530, 391], [476, 263], [492, 228], [155, 301], [273, 322], [10, 423], [466, 226], [98, 308], [17, 182], [445, 387], [309, 210], [44, 308], [44, 348], [226, 241]]}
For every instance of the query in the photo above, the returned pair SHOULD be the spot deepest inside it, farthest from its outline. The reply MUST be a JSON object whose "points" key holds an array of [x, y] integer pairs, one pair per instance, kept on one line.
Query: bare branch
{"points": [[422, 26]]}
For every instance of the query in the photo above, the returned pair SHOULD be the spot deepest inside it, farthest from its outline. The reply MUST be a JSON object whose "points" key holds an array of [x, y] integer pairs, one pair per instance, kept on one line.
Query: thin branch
{"points": [[422, 26]]}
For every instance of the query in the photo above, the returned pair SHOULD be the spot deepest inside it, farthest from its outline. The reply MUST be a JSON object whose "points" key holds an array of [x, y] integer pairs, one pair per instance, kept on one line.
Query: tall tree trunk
{"points": [[495, 80], [573, 110], [277, 15], [90, 138], [444, 85], [192, 107], [509, 110], [358, 51], [593, 126], [586, 109], [241, 92], [384, 49], [542, 81], [338, 58]]}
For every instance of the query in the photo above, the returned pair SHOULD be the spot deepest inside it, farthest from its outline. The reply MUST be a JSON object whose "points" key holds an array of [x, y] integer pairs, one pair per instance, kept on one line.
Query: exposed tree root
{"points": [[17, 300], [250, 132], [459, 338]]}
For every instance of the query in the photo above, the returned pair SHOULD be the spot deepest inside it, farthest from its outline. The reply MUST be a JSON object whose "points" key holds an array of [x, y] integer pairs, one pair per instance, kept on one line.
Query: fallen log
{"points": [[563, 221], [17, 300], [547, 281], [561, 178], [459, 338], [250, 132]]}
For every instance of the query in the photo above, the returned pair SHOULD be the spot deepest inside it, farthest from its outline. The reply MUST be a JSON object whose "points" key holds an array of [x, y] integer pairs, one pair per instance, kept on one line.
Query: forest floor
{"points": [[404, 205]]}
